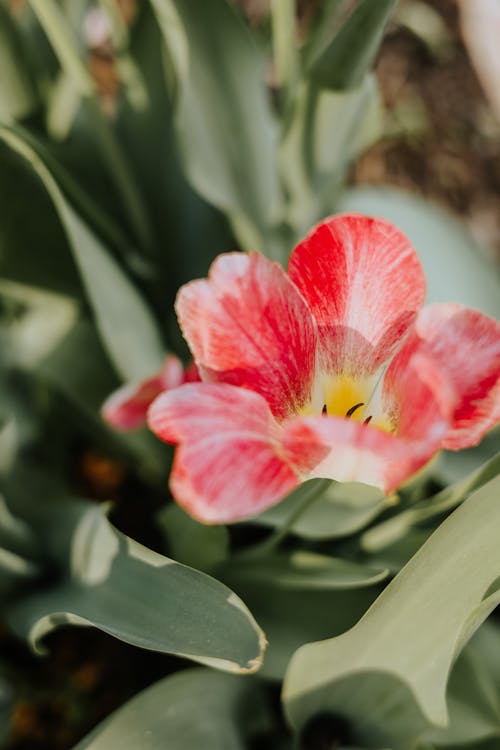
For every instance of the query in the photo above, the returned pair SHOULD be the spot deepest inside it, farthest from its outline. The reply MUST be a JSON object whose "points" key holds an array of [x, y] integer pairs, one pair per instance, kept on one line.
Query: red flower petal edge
{"points": [[127, 408]]}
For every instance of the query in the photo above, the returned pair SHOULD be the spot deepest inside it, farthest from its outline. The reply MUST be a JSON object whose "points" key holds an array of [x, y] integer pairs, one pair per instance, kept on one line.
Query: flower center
{"points": [[346, 396]]}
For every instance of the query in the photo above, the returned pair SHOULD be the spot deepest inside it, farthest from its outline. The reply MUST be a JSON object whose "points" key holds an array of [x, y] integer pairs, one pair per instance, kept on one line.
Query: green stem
{"points": [[64, 44], [270, 544], [283, 19]]}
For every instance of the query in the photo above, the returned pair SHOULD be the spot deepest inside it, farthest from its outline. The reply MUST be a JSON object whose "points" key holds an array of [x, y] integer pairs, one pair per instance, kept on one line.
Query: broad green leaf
{"points": [[17, 92], [452, 261], [225, 129], [113, 583], [395, 528], [193, 709], [302, 570], [392, 668], [124, 322], [348, 57], [340, 510]]}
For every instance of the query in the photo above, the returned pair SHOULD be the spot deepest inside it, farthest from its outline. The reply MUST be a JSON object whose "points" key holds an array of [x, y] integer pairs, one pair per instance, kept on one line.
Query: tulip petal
{"points": [[465, 345], [229, 463], [247, 325], [126, 408], [364, 285]]}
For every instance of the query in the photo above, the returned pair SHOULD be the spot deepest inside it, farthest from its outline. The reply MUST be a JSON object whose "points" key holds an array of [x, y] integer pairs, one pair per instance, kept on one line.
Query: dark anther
{"points": [[368, 420], [351, 411], [324, 410]]}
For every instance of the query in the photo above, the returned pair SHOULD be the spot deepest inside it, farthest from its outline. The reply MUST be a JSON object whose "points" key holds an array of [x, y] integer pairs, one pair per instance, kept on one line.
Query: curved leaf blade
{"points": [[349, 55], [226, 131], [123, 319], [135, 595], [401, 652]]}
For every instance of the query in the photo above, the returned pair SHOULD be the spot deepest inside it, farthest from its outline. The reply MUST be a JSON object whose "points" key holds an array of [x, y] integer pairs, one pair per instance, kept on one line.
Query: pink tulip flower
{"points": [[332, 370]]}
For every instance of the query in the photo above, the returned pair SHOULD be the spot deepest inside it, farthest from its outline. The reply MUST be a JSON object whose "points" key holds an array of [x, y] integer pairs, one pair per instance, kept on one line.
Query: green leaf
{"points": [[190, 542], [302, 570], [348, 57], [473, 704], [341, 510], [20, 239], [124, 322], [392, 668], [17, 93], [452, 261], [115, 584], [85, 381], [226, 132], [193, 709], [326, 132], [395, 528]]}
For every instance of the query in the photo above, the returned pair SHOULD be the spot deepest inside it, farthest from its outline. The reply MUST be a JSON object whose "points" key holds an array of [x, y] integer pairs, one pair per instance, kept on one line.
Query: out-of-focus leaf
{"points": [[45, 320], [125, 324], [395, 528], [85, 381], [392, 668], [302, 570], [115, 584], [340, 510], [193, 543], [226, 132], [194, 709], [17, 92], [326, 131], [473, 704], [15, 534], [452, 262], [485, 644], [14, 572], [24, 255], [345, 61], [454, 465]]}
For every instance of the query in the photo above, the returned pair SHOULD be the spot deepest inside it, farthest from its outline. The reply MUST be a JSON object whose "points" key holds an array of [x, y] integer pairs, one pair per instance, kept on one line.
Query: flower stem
{"points": [[273, 541], [65, 47], [284, 42]]}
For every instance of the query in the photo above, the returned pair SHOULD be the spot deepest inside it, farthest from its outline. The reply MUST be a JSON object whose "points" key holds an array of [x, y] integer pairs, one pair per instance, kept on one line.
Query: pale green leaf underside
{"points": [[392, 668]]}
